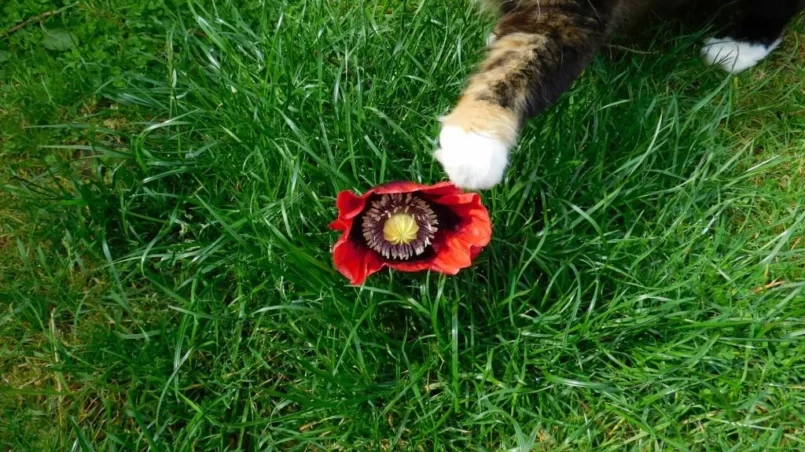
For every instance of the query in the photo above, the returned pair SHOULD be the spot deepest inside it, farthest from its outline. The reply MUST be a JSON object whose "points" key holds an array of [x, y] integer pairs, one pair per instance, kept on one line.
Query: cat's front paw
{"points": [[735, 56], [472, 160]]}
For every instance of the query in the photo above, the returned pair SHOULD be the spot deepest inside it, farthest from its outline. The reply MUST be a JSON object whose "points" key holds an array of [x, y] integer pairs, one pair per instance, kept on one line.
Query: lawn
{"points": [[168, 172]]}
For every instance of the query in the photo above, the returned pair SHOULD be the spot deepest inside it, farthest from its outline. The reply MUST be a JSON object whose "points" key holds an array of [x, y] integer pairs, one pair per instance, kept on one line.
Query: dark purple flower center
{"points": [[399, 225]]}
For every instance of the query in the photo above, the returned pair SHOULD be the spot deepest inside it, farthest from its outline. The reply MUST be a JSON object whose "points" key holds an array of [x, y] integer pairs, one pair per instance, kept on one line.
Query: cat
{"points": [[538, 48]]}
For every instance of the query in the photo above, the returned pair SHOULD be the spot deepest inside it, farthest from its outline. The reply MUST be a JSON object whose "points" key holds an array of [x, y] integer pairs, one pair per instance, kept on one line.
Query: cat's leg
{"points": [[539, 48], [756, 33]]}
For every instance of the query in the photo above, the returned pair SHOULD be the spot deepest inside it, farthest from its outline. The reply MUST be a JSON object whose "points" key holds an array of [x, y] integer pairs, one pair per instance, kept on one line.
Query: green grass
{"points": [[164, 258]]}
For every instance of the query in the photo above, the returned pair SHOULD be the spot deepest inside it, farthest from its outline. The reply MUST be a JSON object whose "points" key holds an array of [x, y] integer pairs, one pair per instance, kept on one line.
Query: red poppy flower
{"points": [[409, 227]]}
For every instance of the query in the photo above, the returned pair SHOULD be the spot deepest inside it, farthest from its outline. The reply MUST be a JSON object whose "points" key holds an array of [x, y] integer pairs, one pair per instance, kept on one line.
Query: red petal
{"points": [[398, 187], [475, 227], [440, 189], [350, 205], [452, 255], [353, 261], [338, 225], [460, 247], [416, 266], [459, 199], [477, 230]]}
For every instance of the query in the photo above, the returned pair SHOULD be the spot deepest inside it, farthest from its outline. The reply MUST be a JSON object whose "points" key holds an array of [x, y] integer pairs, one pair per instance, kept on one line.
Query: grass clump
{"points": [[165, 258]]}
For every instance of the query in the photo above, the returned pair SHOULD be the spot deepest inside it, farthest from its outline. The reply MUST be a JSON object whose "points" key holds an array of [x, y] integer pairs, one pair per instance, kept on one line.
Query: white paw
{"points": [[491, 39], [473, 160], [735, 56]]}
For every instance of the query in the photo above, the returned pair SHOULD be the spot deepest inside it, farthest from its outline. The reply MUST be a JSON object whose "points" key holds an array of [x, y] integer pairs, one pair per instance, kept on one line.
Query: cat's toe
{"points": [[735, 56], [472, 160]]}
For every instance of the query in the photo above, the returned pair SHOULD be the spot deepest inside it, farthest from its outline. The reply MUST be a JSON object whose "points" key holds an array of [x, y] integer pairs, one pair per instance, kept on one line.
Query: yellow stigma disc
{"points": [[400, 229]]}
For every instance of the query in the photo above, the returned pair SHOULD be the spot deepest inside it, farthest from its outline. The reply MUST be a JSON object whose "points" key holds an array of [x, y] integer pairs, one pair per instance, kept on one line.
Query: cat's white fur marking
{"points": [[735, 56], [473, 161]]}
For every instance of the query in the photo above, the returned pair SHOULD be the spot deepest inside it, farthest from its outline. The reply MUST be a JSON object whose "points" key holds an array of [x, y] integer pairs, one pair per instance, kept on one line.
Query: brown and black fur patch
{"points": [[540, 47]]}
